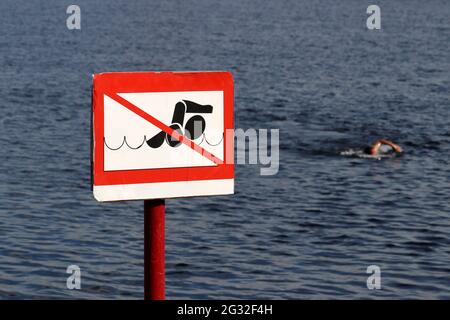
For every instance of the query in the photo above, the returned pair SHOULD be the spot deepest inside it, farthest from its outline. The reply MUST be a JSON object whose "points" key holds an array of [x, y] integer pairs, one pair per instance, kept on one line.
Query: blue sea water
{"points": [[309, 68]]}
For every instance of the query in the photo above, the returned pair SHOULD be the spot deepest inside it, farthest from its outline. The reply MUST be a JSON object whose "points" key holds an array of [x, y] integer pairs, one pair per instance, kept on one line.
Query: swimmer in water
{"points": [[378, 148]]}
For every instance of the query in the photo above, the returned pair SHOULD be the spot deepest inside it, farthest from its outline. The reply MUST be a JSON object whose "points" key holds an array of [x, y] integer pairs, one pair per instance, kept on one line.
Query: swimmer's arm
{"points": [[375, 147], [394, 146]]}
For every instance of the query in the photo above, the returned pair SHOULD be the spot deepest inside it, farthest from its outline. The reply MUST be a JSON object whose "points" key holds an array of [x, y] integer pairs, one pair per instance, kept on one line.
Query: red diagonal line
{"points": [[172, 132]]}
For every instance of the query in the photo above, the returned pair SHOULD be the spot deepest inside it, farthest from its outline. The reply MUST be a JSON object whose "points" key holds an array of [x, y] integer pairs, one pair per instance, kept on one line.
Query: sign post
{"points": [[154, 249], [160, 135]]}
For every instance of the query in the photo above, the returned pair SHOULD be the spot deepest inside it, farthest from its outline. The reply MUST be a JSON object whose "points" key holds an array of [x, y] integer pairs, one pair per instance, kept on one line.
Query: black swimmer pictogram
{"points": [[193, 128]]}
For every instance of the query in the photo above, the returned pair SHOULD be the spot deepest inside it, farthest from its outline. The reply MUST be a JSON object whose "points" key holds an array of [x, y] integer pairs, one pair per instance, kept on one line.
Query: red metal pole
{"points": [[154, 251]]}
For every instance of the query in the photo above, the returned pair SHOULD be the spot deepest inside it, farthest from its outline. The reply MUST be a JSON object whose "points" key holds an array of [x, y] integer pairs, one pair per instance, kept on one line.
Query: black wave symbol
{"points": [[124, 142]]}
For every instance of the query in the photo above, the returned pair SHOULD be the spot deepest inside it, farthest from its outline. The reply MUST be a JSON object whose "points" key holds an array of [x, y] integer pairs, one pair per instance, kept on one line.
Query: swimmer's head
{"points": [[368, 150]]}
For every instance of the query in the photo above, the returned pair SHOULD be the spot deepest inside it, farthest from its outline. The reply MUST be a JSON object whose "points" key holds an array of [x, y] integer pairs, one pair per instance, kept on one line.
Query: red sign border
{"points": [[128, 82]]}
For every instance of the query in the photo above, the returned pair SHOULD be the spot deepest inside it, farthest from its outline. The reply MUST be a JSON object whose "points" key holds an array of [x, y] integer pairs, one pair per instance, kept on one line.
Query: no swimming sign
{"points": [[160, 135]]}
